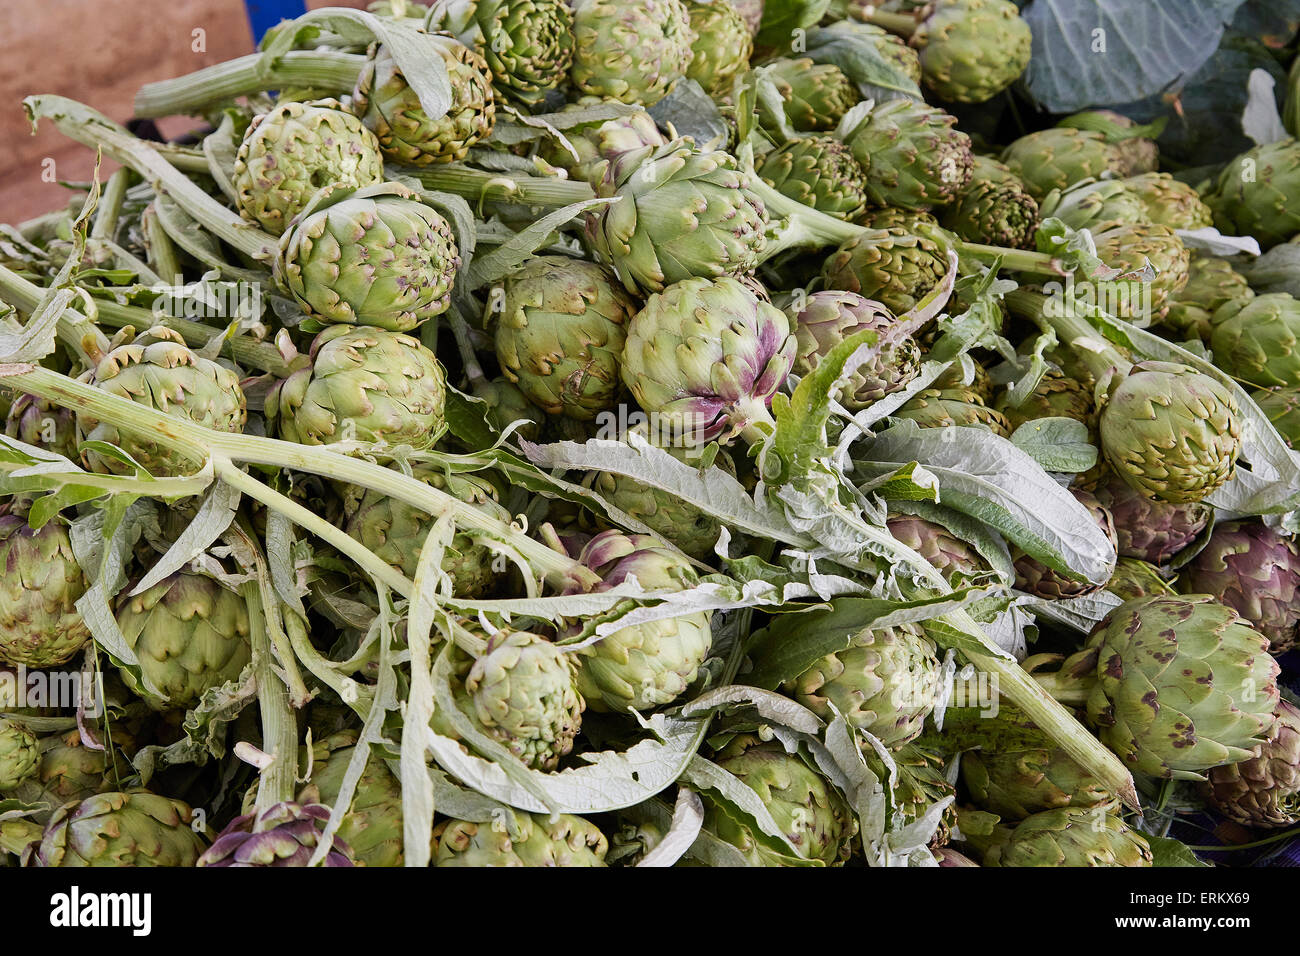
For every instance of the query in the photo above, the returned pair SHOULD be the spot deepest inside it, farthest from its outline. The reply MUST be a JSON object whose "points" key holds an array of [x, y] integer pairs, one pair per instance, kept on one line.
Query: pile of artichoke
{"points": [[661, 432]]}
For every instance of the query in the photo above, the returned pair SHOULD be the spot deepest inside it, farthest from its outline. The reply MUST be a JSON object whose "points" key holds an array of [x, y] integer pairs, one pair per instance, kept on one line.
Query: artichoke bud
{"points": [[971, 50], [892, 266], [560, 333], [40, 625], [1257, 339], [522, 691], [1060, 157], [189, 634], [646, 665], [914, 156], [284, 835], [1171, 432], [596, 148], [813, 96], [1148, 529], [706, 357], [405, 131], [44, 424], [820, 172], [682, 212], [372, 827], [1255, 193], [1263, 790], [1069, 836], [290, 152], [722, 46], [527, 44], [375, 257], [632, 52], [1036, 578], [1182, 685], [526, 840], [158, 370], [132, 828], [19, 754], [362, 383]]}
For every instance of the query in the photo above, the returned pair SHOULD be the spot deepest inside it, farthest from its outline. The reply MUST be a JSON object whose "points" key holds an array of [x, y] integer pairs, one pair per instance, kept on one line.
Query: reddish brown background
{"points": [[99, 52]]}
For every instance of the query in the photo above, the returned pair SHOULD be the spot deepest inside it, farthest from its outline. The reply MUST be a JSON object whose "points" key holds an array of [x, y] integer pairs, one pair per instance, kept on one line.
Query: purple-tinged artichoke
{"points": [[646, 665], [633, 52], [1263, 790], [560, 334], [1181, 684], [913, 154], [682, 213], [949, 554], [1147, 529], [1256, 572], [828, 318], [40, 584], [1171, 432], [1036, 578], [38, 422], [286, 834], [706, 357], [601, 145]]}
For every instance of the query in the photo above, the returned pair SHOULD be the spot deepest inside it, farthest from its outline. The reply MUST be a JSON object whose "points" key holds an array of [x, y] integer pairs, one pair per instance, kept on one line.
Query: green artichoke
{"points": [[921, 781], [913, 221], [814, 96], [891, 266], [1256, 194], [706, 357], [1097, 205], [43, 424], [527, 44], [943, 408], [1258, 340], [1182, 684], [828, 318], [1211, 284], [19, 754], [1282, 407], [913, 155], [67, 771], [40, 625], [971, 50], [722, 45], [1135, 579], [1136, 150], [365, 384], [1069, 836], [1129, 248], [949, 555], [294, 150], [394, 530], [894, 50], [954, 376], [189, 634], [283, 835], [522, 691], [1169, 202], [600, 147], [132, 828], [810, 812], [406, 133], [693, 531], [560, 334], [682, 213], [1263, 790], [1146, 529], [820, 172], [883, 683], [376, 257], [1059, 157], [521, 839], [506, 403], [646, 665], [158, 370], [398, 9], [993, 208], [372, 827], [1055, 396], [633, 52], [1036, 578], [1171, 432], [1255, 570]]}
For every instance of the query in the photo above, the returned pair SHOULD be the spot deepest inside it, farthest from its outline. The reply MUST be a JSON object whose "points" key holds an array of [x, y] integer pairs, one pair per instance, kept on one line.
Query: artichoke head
{"points": [[891, 266], [372, 826], [914, 156], [1257, 340], [722, 46], [1263, 790], [1059, 157], [283, 835], [1069, 836], [520, 839], [526, 44], [821, 172], [632, 52], [40, 625], [1255, 194], [19, 754], [972, 50], [132, 828]]}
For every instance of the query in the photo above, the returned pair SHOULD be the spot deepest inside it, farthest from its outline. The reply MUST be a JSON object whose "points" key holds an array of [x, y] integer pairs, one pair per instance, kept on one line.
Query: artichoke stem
{"points": [[903, 24], [75, 330], [110, 205], [759, 423], [470, 183], [275, 783], [1092, 348], [1016, 260], [255, 73], [803, 226]]}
